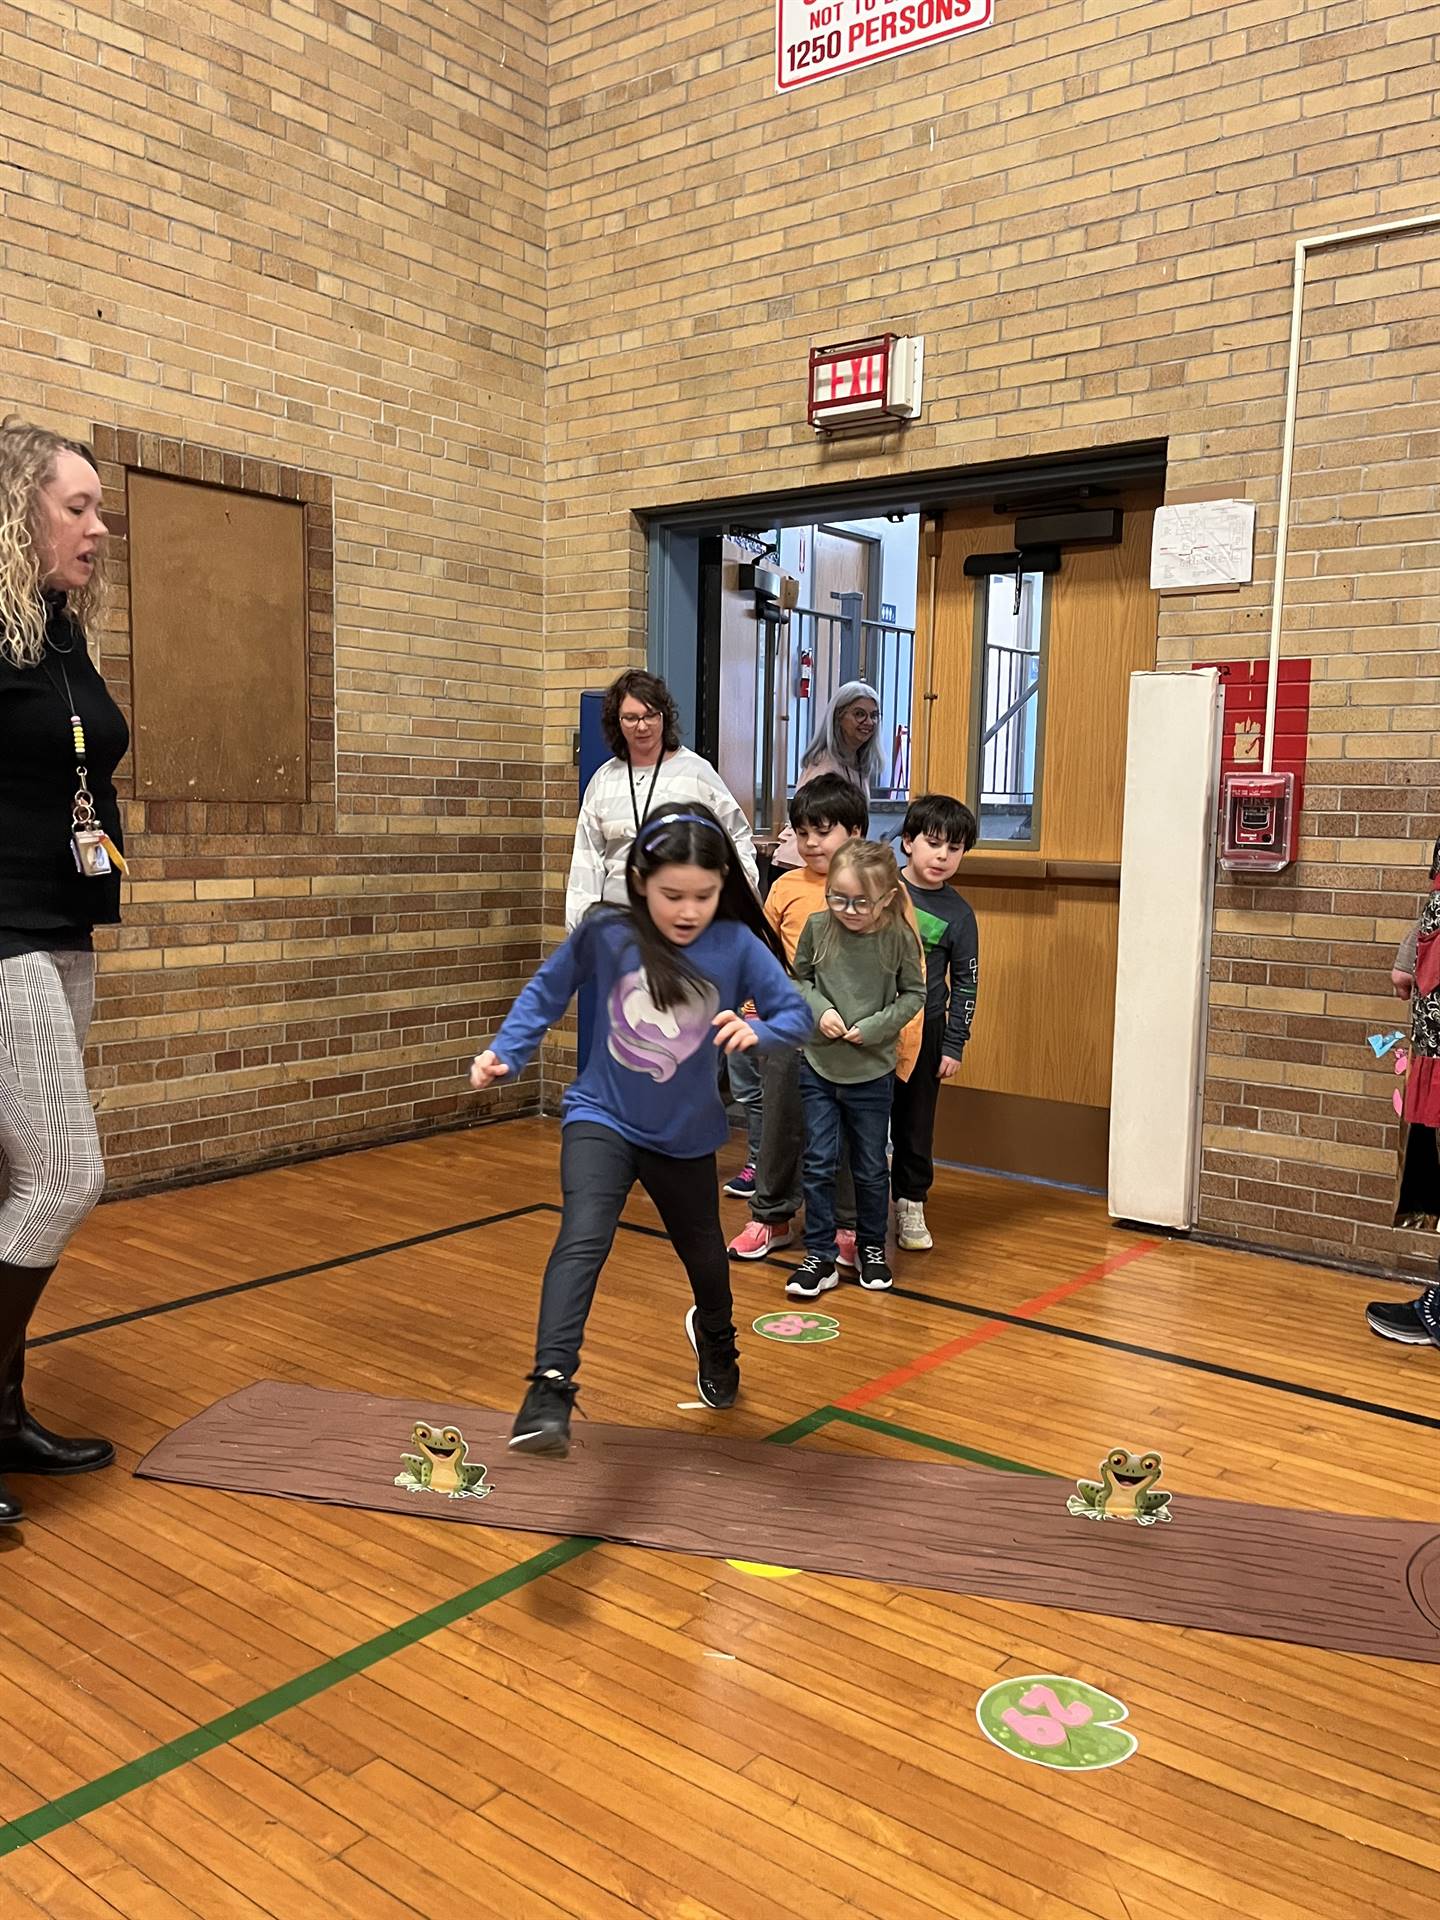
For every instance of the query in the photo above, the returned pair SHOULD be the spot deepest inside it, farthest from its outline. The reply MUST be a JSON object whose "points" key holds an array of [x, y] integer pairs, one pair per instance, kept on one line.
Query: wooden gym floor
{"points": [[220, 1706]]}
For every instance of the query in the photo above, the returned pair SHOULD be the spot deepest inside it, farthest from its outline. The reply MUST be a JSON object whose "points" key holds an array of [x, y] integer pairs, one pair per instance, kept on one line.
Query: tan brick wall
{"points": [[311, 235], [389, 244], [1089, 210]]}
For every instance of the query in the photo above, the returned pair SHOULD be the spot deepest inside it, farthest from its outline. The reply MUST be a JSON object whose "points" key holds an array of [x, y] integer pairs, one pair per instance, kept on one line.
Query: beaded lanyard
{"points": [[95, 852]]}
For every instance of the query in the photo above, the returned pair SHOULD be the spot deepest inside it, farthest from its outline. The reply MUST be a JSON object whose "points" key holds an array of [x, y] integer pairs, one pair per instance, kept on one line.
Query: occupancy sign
{"points": [[816, 42]]}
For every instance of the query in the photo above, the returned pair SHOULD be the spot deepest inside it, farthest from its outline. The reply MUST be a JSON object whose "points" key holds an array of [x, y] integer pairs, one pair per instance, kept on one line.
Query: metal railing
{"points": [[1007, 752]]}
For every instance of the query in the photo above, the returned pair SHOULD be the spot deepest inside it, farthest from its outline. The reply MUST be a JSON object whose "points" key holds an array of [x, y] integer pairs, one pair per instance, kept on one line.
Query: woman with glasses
{"points": [[650, 773], [846, 741]]}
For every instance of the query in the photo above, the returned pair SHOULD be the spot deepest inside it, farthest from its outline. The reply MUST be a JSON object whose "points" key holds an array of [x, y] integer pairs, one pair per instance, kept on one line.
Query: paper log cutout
{"points": [[1320, 1579]]}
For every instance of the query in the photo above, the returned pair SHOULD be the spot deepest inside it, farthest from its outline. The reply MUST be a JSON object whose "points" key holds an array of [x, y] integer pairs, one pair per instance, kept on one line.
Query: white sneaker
{"points": [[911, 1231]]}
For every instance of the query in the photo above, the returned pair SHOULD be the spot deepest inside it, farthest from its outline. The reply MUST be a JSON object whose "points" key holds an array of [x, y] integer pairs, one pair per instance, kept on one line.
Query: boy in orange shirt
{"points": [[825, 813]]}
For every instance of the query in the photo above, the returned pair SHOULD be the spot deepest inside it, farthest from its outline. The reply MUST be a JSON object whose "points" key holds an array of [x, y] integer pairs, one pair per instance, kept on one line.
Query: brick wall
{"points": [[1089, 210], [478, 264], [1302, 1140], [311, 236]]}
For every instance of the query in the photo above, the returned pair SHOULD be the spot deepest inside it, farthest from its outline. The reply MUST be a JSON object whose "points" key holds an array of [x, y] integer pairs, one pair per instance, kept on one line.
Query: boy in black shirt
{"points": [[937, 834]]}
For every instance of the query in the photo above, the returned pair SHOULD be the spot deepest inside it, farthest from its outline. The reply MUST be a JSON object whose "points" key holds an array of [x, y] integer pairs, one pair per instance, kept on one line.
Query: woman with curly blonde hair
{"points": [[61, 738]]}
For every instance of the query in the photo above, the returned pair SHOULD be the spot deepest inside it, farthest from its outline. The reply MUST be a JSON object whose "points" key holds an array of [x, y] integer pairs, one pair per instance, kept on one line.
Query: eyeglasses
{"points": [[634, 721], [858, 904]]}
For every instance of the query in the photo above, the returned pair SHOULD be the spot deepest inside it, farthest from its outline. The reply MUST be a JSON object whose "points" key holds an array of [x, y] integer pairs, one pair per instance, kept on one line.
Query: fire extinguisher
{"points": [[807, 667]]}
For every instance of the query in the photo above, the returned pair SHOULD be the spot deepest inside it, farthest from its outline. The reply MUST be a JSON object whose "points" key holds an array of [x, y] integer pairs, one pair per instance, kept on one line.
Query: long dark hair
{"points": [[688, 836]]}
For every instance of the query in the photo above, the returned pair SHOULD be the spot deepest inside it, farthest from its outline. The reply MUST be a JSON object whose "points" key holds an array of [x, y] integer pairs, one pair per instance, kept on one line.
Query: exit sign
{"points": [[817, 42], [856, 382]]}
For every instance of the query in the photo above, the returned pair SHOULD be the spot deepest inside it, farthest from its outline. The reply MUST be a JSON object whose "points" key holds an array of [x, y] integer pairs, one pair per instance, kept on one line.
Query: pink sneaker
{"points": [[762, 1237], [845, 1255]]}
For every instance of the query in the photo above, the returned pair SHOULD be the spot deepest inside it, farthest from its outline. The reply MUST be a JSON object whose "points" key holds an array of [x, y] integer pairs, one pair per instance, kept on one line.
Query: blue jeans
{"points": [[860, 1116], [747, 1092]]}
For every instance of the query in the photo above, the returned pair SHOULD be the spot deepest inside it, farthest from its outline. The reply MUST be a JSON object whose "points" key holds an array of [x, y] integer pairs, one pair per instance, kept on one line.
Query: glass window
{"points": [[1009, 708]]}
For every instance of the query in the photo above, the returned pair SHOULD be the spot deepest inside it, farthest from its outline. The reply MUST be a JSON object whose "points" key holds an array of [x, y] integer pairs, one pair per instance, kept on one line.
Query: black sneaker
{"points": [[814, 1275], [543, 1422], [717, 1362], [1414, 1322], [875, 1274]]}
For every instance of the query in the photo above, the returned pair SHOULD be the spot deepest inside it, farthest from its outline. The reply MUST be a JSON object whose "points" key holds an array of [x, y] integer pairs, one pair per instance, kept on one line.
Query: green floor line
{"points": [[802, 1429], [930, 1440], [66, 1808], [229, 1726]]}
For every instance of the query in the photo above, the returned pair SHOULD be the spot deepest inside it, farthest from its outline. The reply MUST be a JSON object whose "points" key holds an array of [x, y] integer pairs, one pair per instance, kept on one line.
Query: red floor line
{"points": [[927, 1362]]}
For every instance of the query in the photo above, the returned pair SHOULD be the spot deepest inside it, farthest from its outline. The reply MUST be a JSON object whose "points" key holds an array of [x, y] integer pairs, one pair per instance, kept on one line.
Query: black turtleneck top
{"points": [[46, 906]]}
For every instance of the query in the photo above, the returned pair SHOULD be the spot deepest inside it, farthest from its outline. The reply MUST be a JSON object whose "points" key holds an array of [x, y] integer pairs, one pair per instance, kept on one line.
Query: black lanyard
{"points": [[84, 818], [641, 818]]}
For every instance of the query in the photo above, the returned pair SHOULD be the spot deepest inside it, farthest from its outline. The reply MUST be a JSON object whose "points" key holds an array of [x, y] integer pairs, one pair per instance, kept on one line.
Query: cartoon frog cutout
{"points": [[440, 1465], [1126, 1490]]}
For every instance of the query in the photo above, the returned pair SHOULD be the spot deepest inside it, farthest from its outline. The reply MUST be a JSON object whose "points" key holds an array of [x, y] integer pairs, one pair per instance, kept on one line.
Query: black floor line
{"points": [[1293, 1387], [1177, 1360], [293, 1273], [1125, 1346]]}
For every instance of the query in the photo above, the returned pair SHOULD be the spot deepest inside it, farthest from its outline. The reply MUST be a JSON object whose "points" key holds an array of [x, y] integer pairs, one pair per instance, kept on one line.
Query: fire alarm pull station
{"points": [[1261, 827]]}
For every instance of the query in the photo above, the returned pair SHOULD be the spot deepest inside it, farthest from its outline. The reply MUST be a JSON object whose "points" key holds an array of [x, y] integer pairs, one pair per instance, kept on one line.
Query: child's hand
{"points": [[832, 1026], [854, 1036], [1402, 983], [949, 1066], [733, 1034], [485, 1069]]}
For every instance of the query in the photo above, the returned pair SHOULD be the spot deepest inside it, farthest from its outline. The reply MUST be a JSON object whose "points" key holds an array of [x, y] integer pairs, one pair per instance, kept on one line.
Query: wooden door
{"points": [[842, 565], [736, 640], [745, 674], [1034, 1094]]}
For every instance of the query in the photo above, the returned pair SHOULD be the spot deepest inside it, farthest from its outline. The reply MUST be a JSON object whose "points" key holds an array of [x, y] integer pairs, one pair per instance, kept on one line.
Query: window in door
{"points": [[1007, 746]]}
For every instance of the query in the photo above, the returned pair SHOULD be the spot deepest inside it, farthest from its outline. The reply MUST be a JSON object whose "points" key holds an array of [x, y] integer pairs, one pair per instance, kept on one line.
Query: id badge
{"points": [[91, 854]]}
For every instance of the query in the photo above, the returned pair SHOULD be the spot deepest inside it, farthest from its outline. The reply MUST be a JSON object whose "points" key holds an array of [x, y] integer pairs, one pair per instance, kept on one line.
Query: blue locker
{"points": [[594, 752]]}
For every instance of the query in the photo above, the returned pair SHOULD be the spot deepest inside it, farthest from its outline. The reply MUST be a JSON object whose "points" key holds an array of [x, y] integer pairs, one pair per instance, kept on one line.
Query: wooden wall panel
{"points": [[1103, 625], [218, 642], [1047, 989]]}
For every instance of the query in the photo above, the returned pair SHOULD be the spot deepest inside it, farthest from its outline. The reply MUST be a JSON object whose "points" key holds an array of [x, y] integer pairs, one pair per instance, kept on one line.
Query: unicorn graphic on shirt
{"points": [[653, 1040]]}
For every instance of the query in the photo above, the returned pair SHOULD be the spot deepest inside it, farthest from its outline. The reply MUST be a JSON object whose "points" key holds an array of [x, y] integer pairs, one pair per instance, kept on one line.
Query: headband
{"points": [[676, 820]]}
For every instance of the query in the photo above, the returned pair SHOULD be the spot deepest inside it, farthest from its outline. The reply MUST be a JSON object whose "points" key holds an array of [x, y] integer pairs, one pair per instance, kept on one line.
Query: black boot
{"points": [[26, 1446], [11, 1511]]}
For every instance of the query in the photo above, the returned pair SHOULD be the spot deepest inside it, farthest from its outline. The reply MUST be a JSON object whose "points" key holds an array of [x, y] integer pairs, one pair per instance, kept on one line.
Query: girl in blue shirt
{"points": [[670, 971]]}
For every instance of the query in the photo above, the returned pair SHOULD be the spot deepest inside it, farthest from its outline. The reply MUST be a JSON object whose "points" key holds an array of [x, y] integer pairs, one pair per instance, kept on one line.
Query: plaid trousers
{"points": [[52, 1173]]}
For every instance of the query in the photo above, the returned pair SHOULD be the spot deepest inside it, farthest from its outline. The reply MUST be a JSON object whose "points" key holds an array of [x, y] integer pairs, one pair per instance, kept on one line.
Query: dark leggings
{"points": [[598, 1167]]}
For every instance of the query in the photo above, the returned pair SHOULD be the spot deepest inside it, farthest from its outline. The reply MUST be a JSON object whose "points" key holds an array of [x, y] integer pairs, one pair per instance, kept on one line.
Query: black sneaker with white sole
{"points": [[875, 1274], [815, 1275], [1416, 1323], [717, 1362], [543, 1422]]}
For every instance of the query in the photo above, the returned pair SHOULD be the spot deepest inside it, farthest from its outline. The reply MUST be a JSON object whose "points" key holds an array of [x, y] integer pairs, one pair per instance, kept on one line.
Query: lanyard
{"points": [[84, 819], [641, 818], [96, 854]]}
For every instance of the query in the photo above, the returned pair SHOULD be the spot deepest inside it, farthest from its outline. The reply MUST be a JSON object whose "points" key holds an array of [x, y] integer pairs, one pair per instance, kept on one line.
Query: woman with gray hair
{"points": [[846, 741], [61, 737]]}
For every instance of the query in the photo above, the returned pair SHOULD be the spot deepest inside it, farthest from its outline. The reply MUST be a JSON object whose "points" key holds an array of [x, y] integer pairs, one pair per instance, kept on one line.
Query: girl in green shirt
{"points": [[858, 966]]}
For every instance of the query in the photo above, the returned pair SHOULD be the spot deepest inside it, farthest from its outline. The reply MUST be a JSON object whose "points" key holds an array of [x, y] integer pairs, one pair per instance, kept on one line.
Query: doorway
{"points": [[1008, 664]]}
